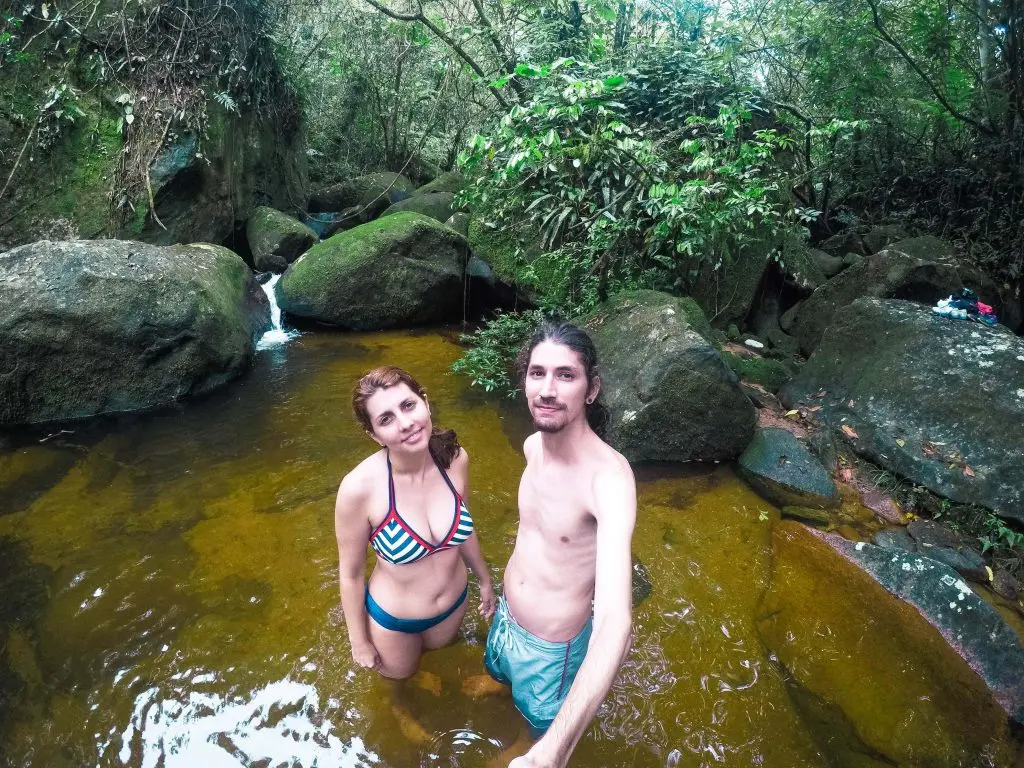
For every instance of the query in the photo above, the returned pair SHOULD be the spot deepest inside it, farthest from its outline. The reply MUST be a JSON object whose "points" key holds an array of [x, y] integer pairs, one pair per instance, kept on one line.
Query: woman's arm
{"points": [[469, 550], [473, 557], [352, 530]]}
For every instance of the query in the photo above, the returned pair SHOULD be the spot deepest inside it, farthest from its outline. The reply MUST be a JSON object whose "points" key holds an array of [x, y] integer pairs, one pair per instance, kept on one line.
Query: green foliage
{"points": [[490, 359], [634, 170]]}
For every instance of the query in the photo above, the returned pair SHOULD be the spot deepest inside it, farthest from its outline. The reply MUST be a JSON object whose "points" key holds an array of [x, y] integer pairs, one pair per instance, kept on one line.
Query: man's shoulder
{"points": [[530, 444], [607, 462]]}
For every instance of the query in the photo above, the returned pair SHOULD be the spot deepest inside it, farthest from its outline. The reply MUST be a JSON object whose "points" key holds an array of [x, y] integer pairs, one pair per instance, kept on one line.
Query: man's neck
{"points": [[564, 445]]}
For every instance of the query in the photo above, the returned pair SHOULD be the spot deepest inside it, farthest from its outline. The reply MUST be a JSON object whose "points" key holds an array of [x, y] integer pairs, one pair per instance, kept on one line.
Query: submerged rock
{"points": [[936, 400], [784, 472], [90, 327], [970, 625], [864, 669], [396, 272], [276, 239], [670, 394]]}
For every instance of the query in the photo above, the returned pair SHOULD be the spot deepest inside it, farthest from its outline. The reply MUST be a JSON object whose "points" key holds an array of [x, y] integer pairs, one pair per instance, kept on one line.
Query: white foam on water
{"points": [[277, 336]]}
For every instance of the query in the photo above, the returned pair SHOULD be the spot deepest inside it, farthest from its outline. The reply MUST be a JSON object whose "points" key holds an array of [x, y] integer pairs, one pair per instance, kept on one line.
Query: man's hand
{"points": [[487, 601]]}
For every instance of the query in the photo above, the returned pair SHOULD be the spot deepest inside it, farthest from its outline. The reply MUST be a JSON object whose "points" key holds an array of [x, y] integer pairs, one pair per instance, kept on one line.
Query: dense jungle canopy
{"points": [[640, 140]]}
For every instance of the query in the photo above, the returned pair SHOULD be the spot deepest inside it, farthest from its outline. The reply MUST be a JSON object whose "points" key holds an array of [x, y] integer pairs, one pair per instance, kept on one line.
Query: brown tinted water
{"points": [[169, 599]]}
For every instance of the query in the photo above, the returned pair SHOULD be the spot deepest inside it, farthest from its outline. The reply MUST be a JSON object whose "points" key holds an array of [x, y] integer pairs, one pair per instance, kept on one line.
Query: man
{"points": [[563, 625]]}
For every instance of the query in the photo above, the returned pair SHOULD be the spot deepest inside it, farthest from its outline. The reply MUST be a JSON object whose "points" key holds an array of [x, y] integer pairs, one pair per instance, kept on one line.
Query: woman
{"points": [[407, 502]]}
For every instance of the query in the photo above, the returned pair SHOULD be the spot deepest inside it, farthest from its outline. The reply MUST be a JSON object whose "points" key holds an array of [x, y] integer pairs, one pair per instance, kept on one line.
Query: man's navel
{"points": [[565, 539]]}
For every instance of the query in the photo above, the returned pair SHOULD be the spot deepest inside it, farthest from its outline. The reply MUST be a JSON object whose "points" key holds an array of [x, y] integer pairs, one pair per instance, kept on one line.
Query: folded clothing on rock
{"points": [[964, 305]]}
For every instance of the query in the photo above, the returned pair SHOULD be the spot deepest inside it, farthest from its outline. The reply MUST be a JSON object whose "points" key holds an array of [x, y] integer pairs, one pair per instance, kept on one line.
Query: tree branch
{"points": [[447, 40], [884, 33]]}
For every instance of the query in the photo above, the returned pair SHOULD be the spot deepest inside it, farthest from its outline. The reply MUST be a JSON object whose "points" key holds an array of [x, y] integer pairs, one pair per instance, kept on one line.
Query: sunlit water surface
{"points": [[169, 599]]}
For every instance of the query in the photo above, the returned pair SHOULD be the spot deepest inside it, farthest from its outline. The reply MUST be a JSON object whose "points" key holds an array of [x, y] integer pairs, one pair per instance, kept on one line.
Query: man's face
{"points": [[556, 387]]}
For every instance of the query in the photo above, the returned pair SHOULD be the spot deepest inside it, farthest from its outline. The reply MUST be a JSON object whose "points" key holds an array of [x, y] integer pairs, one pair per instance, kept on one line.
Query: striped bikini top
{"points": [[396, 542]]}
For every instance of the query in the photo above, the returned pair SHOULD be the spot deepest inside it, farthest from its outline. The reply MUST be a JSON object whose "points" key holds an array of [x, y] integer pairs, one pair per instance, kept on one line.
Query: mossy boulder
{"points": [[506, 249], [784, 472], [276, 239], [396, 272], [373, 193], [889, 274], [864, 668], [923, 247], [449, 181], [727, 291], [670, 394], [882, 235], [90, 327], [436, 205], [933, 399]]}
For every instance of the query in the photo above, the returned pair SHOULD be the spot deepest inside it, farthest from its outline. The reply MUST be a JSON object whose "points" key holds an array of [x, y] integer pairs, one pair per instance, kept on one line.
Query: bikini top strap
{"points": [[446, 478], [391, 483]]}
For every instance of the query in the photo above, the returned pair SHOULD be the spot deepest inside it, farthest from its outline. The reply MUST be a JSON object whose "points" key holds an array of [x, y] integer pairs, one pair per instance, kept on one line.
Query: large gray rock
{"points": [[671, 396], [396, 272], [889, 274], [783, 471], [90, 327], [436, 205], [276, 239], [877, 238], [373, 193], [932, 399]]}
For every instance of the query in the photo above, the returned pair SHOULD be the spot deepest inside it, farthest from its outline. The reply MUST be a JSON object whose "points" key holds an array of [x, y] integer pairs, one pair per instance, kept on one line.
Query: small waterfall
{"points": [[277, 335]]}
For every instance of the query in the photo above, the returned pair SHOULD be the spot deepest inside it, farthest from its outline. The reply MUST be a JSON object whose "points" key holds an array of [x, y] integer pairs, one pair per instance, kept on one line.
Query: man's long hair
{"points": [[576, 339]]}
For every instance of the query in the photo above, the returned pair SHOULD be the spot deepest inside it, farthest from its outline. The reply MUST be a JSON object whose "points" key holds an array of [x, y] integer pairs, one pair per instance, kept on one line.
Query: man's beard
{"points": [[556, 422]]}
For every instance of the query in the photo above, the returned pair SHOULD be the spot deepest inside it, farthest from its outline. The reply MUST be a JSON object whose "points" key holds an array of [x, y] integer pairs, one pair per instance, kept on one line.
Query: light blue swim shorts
{"points": [[539, 671]]}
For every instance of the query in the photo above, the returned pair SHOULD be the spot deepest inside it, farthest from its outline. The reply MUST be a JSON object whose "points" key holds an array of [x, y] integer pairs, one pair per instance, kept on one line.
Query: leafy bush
{"points": [[634, 171], [493, 349]]}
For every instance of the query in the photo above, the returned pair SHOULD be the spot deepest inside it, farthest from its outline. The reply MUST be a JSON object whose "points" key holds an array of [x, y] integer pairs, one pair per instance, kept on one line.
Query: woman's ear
{"points": [[373, 437]]}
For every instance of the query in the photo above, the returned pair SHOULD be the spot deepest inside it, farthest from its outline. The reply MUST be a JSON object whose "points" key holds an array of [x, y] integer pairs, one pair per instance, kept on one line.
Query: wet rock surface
{"points": [[781, 469], [670, 394], [932, 399]]}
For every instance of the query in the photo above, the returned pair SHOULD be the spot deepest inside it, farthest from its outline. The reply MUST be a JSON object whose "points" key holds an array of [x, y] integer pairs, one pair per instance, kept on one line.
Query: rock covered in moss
{"points": [[784, 472], [276, 239], [770, 374], [372, 193], [449, 181], [932, 399], [399, 271], [90, 327], [436, 205], [671, 396]]}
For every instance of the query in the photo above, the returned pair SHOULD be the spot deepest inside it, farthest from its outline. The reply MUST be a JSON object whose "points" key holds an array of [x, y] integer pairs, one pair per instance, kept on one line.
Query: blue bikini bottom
{"points": [[409, 626]]}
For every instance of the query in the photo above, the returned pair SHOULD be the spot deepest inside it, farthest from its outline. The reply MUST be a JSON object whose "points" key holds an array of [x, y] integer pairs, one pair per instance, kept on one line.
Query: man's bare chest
{"points": [[553, 505]]}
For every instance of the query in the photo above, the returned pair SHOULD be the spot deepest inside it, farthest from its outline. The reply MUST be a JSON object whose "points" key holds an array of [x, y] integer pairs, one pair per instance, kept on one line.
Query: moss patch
{"points": [[770, 374]]}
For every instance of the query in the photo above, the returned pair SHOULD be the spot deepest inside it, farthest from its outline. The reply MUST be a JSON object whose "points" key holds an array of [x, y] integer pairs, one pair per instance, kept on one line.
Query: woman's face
{"points": [[400, 419]]}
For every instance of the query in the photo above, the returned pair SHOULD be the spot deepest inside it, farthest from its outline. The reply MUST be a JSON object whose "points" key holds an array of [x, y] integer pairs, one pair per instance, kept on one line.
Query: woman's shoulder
{"points": [[359, 481]]}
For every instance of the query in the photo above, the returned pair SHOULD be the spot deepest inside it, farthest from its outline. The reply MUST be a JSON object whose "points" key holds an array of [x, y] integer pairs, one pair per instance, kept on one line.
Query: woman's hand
{"points": [[366, 656], [487, 601]]}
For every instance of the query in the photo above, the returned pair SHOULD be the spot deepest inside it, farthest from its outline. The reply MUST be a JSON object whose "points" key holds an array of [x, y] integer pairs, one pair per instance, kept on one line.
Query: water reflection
{"points": [[168, 597]]}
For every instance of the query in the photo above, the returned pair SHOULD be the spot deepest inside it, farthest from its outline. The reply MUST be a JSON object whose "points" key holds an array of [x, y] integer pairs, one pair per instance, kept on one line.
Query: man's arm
{"points": [[615, 512]]}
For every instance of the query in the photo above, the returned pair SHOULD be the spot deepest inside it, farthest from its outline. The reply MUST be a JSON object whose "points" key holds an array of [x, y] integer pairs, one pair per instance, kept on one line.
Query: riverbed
{"points": [[169, 598]]}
